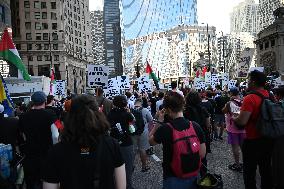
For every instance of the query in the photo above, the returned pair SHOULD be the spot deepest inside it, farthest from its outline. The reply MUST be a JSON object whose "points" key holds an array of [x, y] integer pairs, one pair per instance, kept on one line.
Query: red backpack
{"points": [[186, 160]]}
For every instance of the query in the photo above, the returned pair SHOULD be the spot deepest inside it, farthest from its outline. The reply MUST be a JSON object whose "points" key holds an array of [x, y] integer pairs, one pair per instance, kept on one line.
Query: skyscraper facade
{"points": [[97, 32], [244, 18], [112, 36], [54, 34], [266, 8]]}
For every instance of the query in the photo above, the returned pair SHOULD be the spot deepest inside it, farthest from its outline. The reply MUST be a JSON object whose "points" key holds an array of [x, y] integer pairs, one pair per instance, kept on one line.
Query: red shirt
{"points": [[252, 103]]}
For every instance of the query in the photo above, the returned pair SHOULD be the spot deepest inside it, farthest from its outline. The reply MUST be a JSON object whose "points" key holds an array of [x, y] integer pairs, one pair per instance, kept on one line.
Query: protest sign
{"points": [[245, 62], [144, 84], [97, 76], [123, 82], [232, 84], [59, 88]]}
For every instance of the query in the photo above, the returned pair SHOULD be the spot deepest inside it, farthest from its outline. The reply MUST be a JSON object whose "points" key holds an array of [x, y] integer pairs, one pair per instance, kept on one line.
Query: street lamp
{"points": [[208, 46]]}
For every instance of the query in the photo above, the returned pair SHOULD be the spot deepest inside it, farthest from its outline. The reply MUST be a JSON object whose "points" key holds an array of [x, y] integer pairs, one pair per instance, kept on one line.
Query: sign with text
{"points": [[245, 62], [59, 88], [144, 84], [97, 76]]}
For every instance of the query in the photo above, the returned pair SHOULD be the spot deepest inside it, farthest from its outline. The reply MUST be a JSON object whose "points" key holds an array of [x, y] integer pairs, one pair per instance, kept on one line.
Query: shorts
{"points": [[141, 141], [219, 118], [236, 138]]}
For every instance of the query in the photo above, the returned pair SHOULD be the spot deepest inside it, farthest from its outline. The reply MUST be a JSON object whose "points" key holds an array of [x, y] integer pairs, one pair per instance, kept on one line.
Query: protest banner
{"points": [[245, 62], [144, 84], [97, 76], [59, 88]]}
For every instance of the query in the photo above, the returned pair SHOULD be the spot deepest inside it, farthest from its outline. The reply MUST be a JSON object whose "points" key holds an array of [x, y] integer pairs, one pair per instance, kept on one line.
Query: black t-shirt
{"points": [[9, 130], [197, 114], [120, 115], [36, 125], [153, 101], [208, 106], [220, 103], [56, 110], [164, 135], [75, 168]]}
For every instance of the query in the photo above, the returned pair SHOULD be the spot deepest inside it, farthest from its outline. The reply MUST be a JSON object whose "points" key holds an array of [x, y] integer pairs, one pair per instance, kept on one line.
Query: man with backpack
{"points": [[183, 144], [105, 105], [256, 148], [141, 136]]}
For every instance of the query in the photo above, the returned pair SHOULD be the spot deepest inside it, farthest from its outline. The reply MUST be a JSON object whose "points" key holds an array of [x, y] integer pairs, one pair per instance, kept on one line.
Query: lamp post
{"points": [[208, 46]]}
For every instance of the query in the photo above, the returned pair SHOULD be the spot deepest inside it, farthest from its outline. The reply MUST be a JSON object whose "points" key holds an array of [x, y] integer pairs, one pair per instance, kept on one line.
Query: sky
{"points": [[214, 12]]}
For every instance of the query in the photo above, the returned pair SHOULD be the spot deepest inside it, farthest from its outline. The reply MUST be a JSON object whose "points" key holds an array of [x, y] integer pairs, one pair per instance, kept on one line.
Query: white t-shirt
{"points": [[130, 104]]}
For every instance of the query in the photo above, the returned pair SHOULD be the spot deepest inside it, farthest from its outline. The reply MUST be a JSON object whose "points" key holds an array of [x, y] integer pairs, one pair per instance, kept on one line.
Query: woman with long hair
{"points": [[86, 157]]}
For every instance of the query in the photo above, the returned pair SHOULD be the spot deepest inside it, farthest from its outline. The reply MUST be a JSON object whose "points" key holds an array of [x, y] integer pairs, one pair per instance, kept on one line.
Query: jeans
{"points": [[257, 152], [178, 183], [127, 153]]}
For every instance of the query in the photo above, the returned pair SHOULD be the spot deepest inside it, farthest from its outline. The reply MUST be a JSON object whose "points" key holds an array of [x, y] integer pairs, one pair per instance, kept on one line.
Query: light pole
{"points": [[208, 46]]}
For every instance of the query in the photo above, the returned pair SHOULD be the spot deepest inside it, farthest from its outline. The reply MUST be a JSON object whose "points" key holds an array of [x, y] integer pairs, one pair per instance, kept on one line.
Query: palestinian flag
{"points": [[9, 53], [152, 75], [52, 81]]}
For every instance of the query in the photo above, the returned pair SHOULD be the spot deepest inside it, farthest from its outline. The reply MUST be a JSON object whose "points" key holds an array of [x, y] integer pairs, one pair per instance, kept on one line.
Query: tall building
{"points": [[112, 37], [229, 51], [266, 8], [54, 34], [244, 18], [97, 32]]}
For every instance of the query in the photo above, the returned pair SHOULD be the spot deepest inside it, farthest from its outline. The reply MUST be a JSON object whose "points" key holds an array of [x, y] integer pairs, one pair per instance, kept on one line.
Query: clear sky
{"points": [[213, 12]]}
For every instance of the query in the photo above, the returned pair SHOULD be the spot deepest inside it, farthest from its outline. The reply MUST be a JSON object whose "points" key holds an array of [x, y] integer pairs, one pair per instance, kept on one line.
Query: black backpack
{"points": [[139, 121], [270, 121]]}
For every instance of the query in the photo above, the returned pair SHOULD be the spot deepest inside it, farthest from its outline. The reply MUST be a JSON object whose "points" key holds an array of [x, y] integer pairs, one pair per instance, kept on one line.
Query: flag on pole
{"points": [[52, 81], [5, 98], [9, 53], [152, 75]]}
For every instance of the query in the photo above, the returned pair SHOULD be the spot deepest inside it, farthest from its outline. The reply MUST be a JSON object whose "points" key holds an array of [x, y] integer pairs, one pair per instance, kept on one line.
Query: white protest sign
{"points": [[225, 80], [208, 78], [112, 89], [97, 75], [123, 82], [232, 84], [59, 88], [144, 84], [199, 83], [260, 69], [244, 62]]}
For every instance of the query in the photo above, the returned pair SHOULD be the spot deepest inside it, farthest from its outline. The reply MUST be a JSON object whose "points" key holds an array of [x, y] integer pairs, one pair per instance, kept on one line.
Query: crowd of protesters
{"points": [[89, 141]]}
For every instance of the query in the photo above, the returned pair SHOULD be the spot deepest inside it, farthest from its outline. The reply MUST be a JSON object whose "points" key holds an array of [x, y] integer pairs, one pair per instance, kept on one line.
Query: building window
{"points": [[53, 5], [30, 46], [43, 5], [46, 57], [57, 72], [27, 15], [39, 58], [18, 46], [37, 15], [260, 46], [2, 13], [54, 36], [28, 36], [53, 16], [38, 47], [38, 36], [30, 58], [31, 70], [26, 4], [37, 5], [46, 46], [37, 26], [54, 26], [55, 46], [45, 36], [272, 43], [56, 57], [44, 15], [44, 26], [266, 45], [28, 25], [44, 70]]}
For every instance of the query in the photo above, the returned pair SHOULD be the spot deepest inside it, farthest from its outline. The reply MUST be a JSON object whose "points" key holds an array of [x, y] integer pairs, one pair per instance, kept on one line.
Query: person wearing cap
{"points": [[40, 133], [235, 136]]}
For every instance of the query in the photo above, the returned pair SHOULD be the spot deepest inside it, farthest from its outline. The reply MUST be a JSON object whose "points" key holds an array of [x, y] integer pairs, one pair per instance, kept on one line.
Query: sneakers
{"points": [[235, 167]]}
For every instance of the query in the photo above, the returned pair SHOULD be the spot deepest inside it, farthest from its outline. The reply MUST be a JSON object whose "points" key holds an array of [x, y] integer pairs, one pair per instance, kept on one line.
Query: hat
{"points": [[234, 91], [38, 98], [1, 108]]}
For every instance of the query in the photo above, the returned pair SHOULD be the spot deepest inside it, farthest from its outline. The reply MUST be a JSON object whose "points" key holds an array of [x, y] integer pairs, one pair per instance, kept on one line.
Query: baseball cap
{"points": [[1, 108], [234, 91], [38, 98]]}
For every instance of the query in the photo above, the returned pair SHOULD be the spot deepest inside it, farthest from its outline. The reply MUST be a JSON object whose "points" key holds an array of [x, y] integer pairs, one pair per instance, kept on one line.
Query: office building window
{"points": [[2, 13], [44, 26], [38, 36], [31, 70], [44, 70], [46, 57], [53, 16], [37, 15], [53, 5], [45, 36], [28, 25], [27, 15], [44, 15], [55, 46], [30, 46], [30, 58], [37, 4], [57, 72], [28, 36], [39, 58], [56, 57], [46, 46], [54, 26], [54, 36], [26, 4], [38, 47], [18, 46], [37, 26], [43, 5]]}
